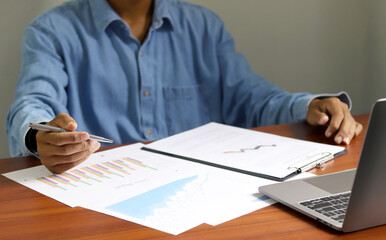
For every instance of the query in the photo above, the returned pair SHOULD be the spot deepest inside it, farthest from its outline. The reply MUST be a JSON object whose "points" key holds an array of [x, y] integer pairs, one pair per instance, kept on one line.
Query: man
{"points": [[140, 70]]}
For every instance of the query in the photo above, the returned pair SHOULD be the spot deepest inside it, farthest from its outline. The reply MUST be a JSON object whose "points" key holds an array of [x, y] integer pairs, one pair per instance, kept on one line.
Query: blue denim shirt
{"points": [[80, 58]]}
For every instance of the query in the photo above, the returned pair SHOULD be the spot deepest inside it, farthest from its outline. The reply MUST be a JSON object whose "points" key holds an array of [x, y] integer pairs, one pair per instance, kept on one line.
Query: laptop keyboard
{"points": [[333, 206]]}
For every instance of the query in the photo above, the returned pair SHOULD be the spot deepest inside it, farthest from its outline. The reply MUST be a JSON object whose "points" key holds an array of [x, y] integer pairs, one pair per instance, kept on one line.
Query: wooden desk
{"points": [[26, 214]]}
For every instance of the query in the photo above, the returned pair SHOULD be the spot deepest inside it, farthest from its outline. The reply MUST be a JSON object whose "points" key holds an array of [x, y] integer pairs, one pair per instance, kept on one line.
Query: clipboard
{"points": [[246, 151], [303, 166]]}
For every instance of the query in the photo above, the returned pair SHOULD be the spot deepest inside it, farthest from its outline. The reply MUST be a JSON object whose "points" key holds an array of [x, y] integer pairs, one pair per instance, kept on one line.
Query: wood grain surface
{"points": [[26, 214]]}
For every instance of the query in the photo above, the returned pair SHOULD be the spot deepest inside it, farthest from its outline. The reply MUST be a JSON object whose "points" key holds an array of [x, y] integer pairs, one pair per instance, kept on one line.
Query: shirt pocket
{"points": [[185, 108]]}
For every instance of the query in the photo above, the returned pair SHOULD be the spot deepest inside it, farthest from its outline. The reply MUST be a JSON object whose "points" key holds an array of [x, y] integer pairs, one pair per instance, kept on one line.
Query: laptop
{"points": [[349, 200]]}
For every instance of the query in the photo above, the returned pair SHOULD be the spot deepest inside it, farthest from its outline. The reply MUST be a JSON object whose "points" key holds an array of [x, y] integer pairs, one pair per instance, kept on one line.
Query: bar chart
{"points": [[94, 174]]}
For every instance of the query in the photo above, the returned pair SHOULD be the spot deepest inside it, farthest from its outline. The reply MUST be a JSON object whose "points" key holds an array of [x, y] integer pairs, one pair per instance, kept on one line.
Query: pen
{"points": [[42, 127]]}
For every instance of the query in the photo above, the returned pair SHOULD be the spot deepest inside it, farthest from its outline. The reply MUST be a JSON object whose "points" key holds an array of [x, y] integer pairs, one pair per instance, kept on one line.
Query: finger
{"points": [[60, 139], [318, 118], [67, 149], [347, 136], [351, 134], [53, 160], [64, 121], [358, 128], [337, 117], [346, 129]]}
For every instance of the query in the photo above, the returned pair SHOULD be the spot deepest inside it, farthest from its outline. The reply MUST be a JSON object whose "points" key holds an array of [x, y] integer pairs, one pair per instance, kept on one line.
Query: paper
{"points": [[118, 171], [244, 149], [160, 192]]}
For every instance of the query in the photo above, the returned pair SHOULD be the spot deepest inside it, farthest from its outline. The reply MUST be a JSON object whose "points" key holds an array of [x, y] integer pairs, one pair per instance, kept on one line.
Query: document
{"points": [[153, 190], [246, 151]]}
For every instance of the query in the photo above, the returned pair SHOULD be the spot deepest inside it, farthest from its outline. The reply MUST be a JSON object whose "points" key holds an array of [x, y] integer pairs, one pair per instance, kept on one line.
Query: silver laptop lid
{"points": [[367, 205]]}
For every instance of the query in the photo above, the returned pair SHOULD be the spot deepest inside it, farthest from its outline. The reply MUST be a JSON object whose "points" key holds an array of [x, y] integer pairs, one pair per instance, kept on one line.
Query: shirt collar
{"points": [[104, 15], [162, 14]]}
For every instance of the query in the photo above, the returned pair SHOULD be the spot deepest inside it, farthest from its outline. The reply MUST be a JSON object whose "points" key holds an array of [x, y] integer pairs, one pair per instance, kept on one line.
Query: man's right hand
{"points": [[61, 151]]}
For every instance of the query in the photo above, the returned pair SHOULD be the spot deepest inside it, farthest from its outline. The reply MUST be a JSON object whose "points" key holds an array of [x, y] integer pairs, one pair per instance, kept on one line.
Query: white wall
{"points": [[301, 45], [374, 84]]}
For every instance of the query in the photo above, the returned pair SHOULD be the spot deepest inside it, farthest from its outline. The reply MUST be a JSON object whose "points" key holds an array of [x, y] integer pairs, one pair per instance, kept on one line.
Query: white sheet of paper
{"points": [[110, 173], [239, 196]]}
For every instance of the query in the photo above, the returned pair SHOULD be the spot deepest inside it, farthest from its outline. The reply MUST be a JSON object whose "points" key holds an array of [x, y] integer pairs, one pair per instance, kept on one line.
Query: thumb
{"points": [[318, 118], [64, 121]]}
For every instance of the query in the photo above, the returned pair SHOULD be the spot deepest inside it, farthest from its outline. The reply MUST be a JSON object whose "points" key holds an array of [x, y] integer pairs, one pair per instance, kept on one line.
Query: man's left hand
{"points": [[334, 114]]}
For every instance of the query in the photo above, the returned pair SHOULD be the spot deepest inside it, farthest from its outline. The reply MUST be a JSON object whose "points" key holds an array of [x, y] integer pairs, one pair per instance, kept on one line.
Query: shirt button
{"points": [[149, 131], [122, 25], [147, 93], [141, 54]]}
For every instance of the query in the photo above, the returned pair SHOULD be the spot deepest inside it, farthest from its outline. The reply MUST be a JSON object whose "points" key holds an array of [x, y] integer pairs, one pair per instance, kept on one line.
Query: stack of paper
{"points": [[160, 192]]}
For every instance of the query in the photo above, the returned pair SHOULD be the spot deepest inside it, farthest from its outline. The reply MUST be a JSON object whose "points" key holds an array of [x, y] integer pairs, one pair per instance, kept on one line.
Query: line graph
{"points": [[243, 150]]}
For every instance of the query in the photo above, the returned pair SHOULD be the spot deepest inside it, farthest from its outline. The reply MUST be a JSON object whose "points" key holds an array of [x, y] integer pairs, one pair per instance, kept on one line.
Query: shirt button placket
{"points": [[147, 105], [147, 98]]}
